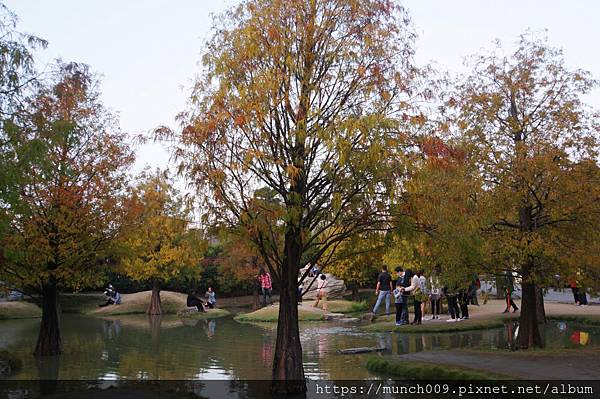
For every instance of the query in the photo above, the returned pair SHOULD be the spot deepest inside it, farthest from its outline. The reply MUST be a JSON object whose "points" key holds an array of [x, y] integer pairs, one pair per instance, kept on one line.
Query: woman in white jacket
{"points": [[417, 288]]}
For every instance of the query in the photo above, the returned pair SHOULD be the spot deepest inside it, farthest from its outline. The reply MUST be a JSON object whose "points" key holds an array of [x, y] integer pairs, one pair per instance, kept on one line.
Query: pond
{"points": [[135, 347]]}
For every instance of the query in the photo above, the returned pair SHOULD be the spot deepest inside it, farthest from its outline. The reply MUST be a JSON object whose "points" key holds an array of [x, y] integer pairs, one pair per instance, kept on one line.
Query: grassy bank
{"points": [[305, 312], [343, 306], [271, 314], [19, 310], [172, 302], [590, 320], [413, 370], [436, 327], [209, 314]]}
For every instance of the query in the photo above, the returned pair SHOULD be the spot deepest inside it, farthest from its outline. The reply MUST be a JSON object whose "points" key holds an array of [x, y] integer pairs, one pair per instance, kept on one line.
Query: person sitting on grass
{"points": [[193, 300], [211, 300], [113, 297]]}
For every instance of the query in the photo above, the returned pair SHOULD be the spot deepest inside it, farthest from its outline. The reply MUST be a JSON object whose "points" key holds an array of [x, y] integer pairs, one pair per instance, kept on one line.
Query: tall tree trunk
{"points": [[49, 343], [355, 293], [288, 370], [155, 307], [541, 311], [529, 331], [255, 298]]}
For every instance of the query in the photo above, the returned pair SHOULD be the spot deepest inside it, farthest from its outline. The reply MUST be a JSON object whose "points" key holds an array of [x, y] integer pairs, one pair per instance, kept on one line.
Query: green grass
{"points": [[440, 327], [19, 310], [119, 310], [591, 320], [343, 306], [209, 314], [271, 314], [413, 370], [358, 307]]}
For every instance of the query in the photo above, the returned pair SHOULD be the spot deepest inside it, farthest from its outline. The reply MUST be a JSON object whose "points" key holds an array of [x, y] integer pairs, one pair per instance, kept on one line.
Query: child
{"points": [[398, 302]]}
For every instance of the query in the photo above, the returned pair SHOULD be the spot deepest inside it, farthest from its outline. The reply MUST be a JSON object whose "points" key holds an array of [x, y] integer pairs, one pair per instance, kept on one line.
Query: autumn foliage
{"points": [[160, 242]]}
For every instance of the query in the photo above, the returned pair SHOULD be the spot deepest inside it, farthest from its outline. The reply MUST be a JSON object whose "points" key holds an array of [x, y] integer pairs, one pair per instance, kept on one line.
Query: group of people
{"points": [[208, 302], [422, 290], [112, 296], [579, 294]]}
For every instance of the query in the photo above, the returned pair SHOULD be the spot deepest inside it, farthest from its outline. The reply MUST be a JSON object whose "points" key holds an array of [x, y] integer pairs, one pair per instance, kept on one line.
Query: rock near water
{"points": [[335, 288]]}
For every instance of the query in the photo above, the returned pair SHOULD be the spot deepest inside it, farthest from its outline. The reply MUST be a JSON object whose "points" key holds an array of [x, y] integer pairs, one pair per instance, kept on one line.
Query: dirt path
{"points": [[535, 366], [495, 307]]}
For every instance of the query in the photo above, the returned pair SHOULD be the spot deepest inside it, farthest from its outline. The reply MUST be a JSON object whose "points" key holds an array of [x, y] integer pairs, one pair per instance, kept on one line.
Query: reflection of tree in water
{"points": [[93, 349], [154, 324], [48, 371]]}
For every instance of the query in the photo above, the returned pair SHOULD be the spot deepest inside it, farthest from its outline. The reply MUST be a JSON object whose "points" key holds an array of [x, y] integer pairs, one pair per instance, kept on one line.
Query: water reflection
{"points": [[142, 347]]}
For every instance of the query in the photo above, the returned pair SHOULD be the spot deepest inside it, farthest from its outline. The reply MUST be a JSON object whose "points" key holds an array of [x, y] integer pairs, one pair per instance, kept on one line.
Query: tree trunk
{"points": [[529, 332], [49, 343], [255, 299], [540, 310], [155, 307], [500, 287], [288, 370], [355, 293]]}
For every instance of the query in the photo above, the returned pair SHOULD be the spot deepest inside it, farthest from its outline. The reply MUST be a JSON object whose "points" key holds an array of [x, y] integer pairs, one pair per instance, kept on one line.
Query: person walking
{"points": [[266, 285], [383, 290], [579, 294], [575, 291], [321, 292], [508, 291]]}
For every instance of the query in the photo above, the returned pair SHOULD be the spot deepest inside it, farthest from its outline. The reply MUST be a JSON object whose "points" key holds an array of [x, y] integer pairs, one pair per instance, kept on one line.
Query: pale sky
{"points": [[147, 51]]}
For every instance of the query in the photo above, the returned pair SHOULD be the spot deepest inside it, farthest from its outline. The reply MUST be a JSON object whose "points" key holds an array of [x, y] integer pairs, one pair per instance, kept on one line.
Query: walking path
{"points": [[495, 307], [531, 366], [582, 364]]}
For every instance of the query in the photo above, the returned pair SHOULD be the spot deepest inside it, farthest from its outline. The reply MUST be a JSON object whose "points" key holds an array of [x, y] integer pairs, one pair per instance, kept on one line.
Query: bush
{"points": [[412, 370], [14, 362]]}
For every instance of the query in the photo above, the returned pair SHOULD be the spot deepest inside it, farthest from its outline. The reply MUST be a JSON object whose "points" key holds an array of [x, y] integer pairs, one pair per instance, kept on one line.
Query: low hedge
{"points": [[437, 327], [414, 370]]}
